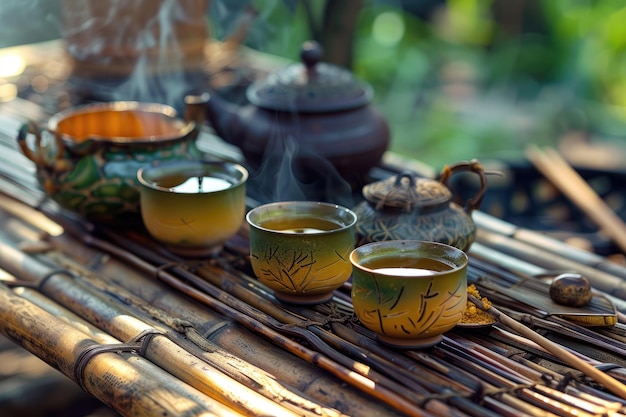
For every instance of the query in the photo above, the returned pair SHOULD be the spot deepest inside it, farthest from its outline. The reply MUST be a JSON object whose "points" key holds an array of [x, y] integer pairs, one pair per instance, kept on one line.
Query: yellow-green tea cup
{"points": [[193, 207], [301, 249], [409, 292]]}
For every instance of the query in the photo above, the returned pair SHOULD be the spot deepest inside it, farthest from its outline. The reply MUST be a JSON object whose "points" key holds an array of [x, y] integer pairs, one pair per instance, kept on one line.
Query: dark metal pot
{"points": [[321, 107]]}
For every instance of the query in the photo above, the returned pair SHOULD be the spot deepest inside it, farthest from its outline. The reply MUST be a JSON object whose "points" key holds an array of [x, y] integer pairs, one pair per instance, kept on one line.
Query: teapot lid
{"points": [[406, 192], [310, 86]]}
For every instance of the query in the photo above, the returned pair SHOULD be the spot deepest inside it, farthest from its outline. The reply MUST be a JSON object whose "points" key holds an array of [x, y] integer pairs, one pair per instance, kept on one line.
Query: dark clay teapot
{"points": [[406, 207], [319, 106]]}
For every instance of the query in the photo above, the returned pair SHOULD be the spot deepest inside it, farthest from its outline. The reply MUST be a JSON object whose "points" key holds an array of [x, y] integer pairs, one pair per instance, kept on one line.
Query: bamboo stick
{"points": [[543, 242], [239, 287], [230, 337], [60, 345], [353, 352], [167, 354], [79, 301], [229, 364], [570, 402], [533, 261], [609, 382], [347, 374], [513, 393], [571, 395], [557, 170], [355, 375], [482, 370], [448, 384], [576, 387]]}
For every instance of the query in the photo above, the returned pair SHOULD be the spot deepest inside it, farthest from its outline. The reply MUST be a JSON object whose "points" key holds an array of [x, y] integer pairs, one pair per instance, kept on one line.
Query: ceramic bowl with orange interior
{"points": [[193, 207], [300, 249], [409, 292], [87, 157]]}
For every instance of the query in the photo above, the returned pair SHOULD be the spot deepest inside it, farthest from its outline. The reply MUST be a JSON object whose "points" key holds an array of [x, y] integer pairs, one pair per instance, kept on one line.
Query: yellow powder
{"points": [[473, 314]]}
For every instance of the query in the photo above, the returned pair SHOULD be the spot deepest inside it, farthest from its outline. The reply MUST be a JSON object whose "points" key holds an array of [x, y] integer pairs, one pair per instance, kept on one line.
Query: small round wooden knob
{"points": [[571, 289], [311, 54]]}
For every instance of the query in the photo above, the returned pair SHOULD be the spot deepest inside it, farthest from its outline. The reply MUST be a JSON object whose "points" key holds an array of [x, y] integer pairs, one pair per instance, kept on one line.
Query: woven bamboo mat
{"points": [[146, 332]]}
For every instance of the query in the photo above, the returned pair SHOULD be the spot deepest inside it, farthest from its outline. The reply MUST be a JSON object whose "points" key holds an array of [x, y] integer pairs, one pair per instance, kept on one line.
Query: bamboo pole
{"points": [[560, 173], [218, 357], [161, 349], [247, 316], [60, 345], [545, 243], [75, 299], [533, 261], [337, 345]]}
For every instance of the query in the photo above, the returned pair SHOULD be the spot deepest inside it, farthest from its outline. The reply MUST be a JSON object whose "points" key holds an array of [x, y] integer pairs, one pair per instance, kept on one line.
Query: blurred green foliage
{"points": [[479, 80]]}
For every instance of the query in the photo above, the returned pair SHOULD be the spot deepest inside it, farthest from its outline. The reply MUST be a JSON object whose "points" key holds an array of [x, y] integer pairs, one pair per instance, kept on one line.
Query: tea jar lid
{"points": [[406, 192], [310, 86]]}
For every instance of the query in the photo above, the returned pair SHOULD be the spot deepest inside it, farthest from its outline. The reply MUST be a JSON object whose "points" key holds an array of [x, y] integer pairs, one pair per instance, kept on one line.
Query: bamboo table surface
{"points": [[148, 333]]}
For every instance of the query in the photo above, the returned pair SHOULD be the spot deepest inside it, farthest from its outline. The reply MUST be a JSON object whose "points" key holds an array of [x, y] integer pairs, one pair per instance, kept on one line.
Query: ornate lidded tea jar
{"points": [[87, 157], [407, 207]]}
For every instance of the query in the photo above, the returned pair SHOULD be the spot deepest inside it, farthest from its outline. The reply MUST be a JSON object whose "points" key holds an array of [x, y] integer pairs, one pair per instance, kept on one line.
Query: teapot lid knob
{"points": [[310, 86], [311, 53]]}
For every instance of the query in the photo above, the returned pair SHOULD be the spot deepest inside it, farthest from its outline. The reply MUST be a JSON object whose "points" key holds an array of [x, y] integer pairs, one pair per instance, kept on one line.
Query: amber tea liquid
{"points": [[300, 225]]}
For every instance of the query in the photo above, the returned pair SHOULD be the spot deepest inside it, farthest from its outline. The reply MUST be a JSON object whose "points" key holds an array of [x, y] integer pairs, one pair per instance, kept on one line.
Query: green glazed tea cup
{"points": [[409, 292], [301, 249]]}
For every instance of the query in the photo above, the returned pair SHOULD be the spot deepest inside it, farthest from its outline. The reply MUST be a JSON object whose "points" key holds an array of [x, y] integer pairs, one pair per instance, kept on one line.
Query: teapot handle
{"points": [[195, 108], [38, 156], [471, 166]]}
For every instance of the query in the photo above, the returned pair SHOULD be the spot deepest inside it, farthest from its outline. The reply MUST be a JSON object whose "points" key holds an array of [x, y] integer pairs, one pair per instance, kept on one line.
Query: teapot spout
{"points": [[220, 114]]}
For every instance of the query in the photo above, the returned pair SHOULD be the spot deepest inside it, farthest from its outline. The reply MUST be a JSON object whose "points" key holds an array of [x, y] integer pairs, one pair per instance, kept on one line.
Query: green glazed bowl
{"points": [[409, 292], [193, 207], [301, 249]]}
